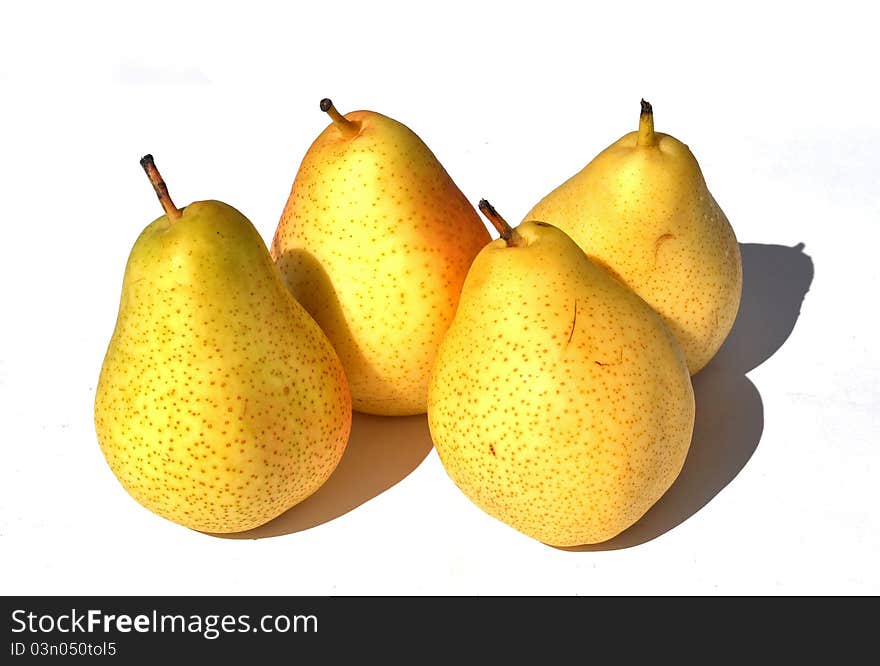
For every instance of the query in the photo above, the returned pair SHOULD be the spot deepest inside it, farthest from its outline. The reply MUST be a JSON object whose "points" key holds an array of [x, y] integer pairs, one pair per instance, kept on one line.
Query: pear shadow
{"points": [[312, 287], [381, 451], [729, 411]]}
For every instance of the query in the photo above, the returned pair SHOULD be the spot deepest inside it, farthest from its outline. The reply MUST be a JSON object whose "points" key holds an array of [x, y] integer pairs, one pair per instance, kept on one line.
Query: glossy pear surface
{"points": [[646, 214], [560, 402], [375, 241], [220, 402]]}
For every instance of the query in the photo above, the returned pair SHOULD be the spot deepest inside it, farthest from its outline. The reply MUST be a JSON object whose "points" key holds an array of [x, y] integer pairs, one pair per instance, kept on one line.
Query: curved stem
{"points": [[349, 128], [646, 126], [172, 211], [508, 233]]}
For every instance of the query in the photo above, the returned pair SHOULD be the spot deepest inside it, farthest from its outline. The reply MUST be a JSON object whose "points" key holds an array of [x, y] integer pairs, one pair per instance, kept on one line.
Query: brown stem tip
{"points": [[508, 233], [161, 189], [646, 108]]}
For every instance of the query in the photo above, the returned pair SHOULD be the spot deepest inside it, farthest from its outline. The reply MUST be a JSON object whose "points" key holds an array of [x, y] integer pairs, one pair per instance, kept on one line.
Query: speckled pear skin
{"points": [[646, 213], [560, 403], [220, 403], [375, 241]]}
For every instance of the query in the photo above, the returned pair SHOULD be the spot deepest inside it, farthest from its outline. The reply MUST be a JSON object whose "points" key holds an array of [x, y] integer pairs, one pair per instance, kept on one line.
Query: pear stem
{"points": [[349, 128], [646, 126], [508, 233], [172, 211]]}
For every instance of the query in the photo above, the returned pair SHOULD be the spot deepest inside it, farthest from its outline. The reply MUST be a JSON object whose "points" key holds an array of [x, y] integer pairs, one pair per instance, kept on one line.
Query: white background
{"points": [[779, 102]]}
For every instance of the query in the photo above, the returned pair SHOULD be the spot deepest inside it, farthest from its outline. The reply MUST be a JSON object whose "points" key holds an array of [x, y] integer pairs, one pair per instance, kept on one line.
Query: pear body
{"points": [[375, 241], [560, 402], [645, 213], [220, 402]]}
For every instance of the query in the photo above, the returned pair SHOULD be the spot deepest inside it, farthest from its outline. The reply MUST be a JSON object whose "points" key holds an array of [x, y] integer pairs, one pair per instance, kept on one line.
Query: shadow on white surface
{"points": [[381, 451], [729, 411]]}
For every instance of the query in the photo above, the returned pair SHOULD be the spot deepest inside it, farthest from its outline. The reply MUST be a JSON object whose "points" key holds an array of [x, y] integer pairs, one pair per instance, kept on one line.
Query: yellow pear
{"points": [[560, 403], [641, 209], [220, 402], [375, 241]]}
